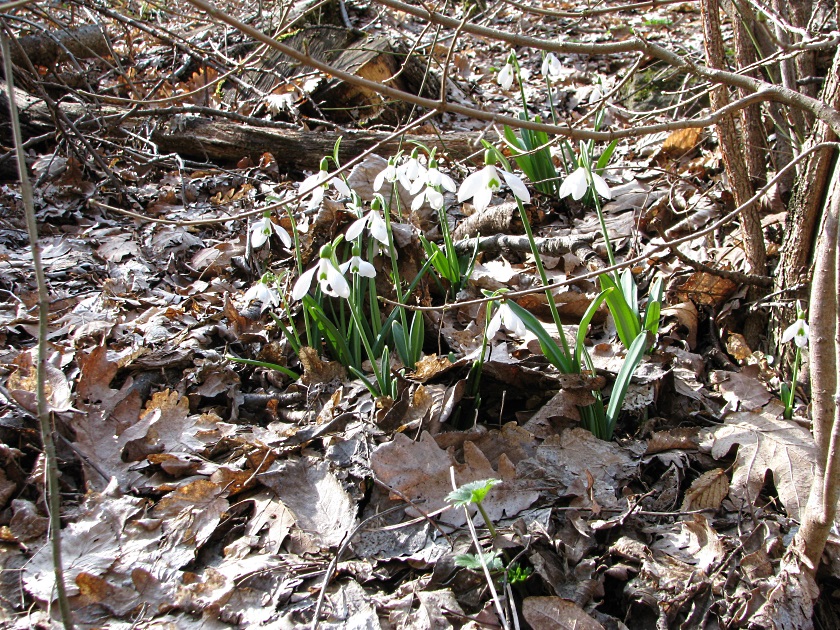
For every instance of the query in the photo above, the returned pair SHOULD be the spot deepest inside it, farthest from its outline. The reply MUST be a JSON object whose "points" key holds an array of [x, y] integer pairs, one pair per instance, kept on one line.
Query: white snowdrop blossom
{"points": [[505, 316], [577, 184], [481, 185], [433, 180], [798, 332], [329, 276], [317, 184], [375, 225], [430, 195], [358, 266], [551, 67], [411, 171], [391, 173], [261, 232], [264, 293], [505, 77]]}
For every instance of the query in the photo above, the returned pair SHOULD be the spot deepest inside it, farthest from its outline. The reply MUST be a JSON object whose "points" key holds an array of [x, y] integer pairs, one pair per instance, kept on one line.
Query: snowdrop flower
{"points": [[411, 171], [481, 185], [375, 225], [798, 332], [577, 184], [318, 183], [505, 77], [261, 232], [551, 66], [264, 293], [392, 174], [358, 266], [506, 317], [433, 180], [329, 276]]}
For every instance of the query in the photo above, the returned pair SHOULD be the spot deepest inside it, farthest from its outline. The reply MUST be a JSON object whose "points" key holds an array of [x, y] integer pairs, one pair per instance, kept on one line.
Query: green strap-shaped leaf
{"points": [[334, 338], [580, 339], [271, 366], [549, 347], [654, 306], [626, 322], [622, 380]]}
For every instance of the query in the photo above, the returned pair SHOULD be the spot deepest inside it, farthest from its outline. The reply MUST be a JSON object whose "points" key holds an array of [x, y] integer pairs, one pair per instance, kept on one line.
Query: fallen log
{"points": [[49, 48], [200, 138]]}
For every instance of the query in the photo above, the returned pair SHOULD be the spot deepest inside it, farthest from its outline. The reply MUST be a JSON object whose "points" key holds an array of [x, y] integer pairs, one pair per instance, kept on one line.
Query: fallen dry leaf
{"points": [[707, 492], [767, 443]]}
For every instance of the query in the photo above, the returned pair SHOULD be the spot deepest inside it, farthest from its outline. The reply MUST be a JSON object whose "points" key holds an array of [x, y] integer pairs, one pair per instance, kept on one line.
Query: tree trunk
{"points": [[731, 144], [792, 276], [790, 604]]}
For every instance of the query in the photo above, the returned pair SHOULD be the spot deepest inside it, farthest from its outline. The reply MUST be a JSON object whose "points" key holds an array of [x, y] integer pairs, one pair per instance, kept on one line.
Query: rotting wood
{"points": [[50, 48]]}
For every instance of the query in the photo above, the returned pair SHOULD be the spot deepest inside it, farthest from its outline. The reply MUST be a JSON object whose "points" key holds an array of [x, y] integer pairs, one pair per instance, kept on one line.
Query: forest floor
{"points": [[202, 492]]}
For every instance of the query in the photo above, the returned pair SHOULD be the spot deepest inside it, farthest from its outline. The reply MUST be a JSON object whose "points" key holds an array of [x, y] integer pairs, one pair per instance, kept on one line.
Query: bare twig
{"points": [[50, 464]]}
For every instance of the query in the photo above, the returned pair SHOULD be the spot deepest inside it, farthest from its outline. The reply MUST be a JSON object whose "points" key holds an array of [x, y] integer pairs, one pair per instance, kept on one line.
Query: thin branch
{"points": [[51, 466]]}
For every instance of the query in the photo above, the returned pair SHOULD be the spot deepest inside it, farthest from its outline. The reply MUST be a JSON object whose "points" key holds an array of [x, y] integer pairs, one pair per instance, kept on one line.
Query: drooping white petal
{"points": [[482, 198], [364, 268], [303, 283], [417, 185], [418, 200], [317, 198], [448, 183], [356, 228], [387, 174], [511, 320], [470, 186], [495, 324], [379, 180], [575, 184], [377, 227], [505, 77], [801, 340], [267, 296], [260, 232], [551, 66], [434, 198], [311, 183], [517, 186], [340, 186], [601, 186], [285, 237], [335, 283]]}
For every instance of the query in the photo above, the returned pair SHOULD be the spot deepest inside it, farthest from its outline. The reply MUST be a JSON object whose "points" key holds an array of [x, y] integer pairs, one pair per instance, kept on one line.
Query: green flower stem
{"points": [[357, 318], [543, 277], [310, 339], [375, 317], [551, 101], [797, 360], [487, 521], [521, 87], [392, 250], [610, 255]]}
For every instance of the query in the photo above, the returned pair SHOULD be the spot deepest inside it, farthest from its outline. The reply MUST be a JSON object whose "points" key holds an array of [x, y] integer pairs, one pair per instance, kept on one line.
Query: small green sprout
{"points": [[473, 492]]}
